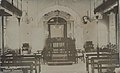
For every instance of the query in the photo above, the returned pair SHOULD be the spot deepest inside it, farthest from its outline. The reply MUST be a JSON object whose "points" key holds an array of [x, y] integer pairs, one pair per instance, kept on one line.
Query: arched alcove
{"points": [[39, 24]]}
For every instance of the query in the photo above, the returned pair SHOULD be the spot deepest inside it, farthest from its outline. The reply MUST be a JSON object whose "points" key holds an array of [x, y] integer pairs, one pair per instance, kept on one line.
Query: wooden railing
{"points": [[64, 47]]}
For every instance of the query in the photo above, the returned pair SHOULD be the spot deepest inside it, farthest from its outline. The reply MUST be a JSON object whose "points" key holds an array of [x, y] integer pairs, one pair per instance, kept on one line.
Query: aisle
{"points": [[75, 68]]}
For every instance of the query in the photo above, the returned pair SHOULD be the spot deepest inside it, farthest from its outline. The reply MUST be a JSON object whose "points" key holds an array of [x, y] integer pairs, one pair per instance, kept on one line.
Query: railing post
{"points": [[2, 34], [118, 31]]}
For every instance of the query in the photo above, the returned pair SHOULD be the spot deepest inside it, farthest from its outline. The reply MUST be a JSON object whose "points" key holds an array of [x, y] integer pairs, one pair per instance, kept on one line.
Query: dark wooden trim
{"points": [[24, 56], [100, 54], [4, 13], [104, 5], [11, 7], [3, 35], [107, 67], [18, 64], [115, 10]]}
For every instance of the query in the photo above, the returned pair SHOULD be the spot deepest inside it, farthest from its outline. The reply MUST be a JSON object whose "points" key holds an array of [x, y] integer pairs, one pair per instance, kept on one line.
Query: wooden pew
{"points": [[18, 66], [109, 62], [89, 57], [21, 62]]}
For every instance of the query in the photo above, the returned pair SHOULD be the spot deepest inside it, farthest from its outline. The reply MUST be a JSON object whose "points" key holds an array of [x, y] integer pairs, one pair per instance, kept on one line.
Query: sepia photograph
{"points": [[59, 36]]}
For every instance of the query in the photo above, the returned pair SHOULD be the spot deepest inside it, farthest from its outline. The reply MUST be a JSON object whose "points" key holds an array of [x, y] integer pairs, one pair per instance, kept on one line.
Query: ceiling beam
{"points": [[104, 6], [4, 13], [11, 7]]}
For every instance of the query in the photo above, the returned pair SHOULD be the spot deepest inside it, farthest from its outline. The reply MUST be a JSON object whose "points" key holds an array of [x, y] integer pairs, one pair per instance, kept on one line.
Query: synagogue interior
{"points": [[59, 36]]}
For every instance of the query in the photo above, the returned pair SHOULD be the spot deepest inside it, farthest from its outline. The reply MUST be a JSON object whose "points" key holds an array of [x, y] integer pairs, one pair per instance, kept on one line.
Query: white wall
{"points": [[112, 30], [96, 32], [12, 33]]}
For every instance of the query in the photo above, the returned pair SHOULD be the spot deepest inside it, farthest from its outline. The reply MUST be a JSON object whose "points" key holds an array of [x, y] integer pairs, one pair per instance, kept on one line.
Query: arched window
{"points": [[57, 27]]}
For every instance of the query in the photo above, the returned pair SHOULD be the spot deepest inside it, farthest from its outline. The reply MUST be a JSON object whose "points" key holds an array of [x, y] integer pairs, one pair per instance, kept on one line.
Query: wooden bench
{"points": [[90, 58], [21, 62], [108, 62], [18, 66]]}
